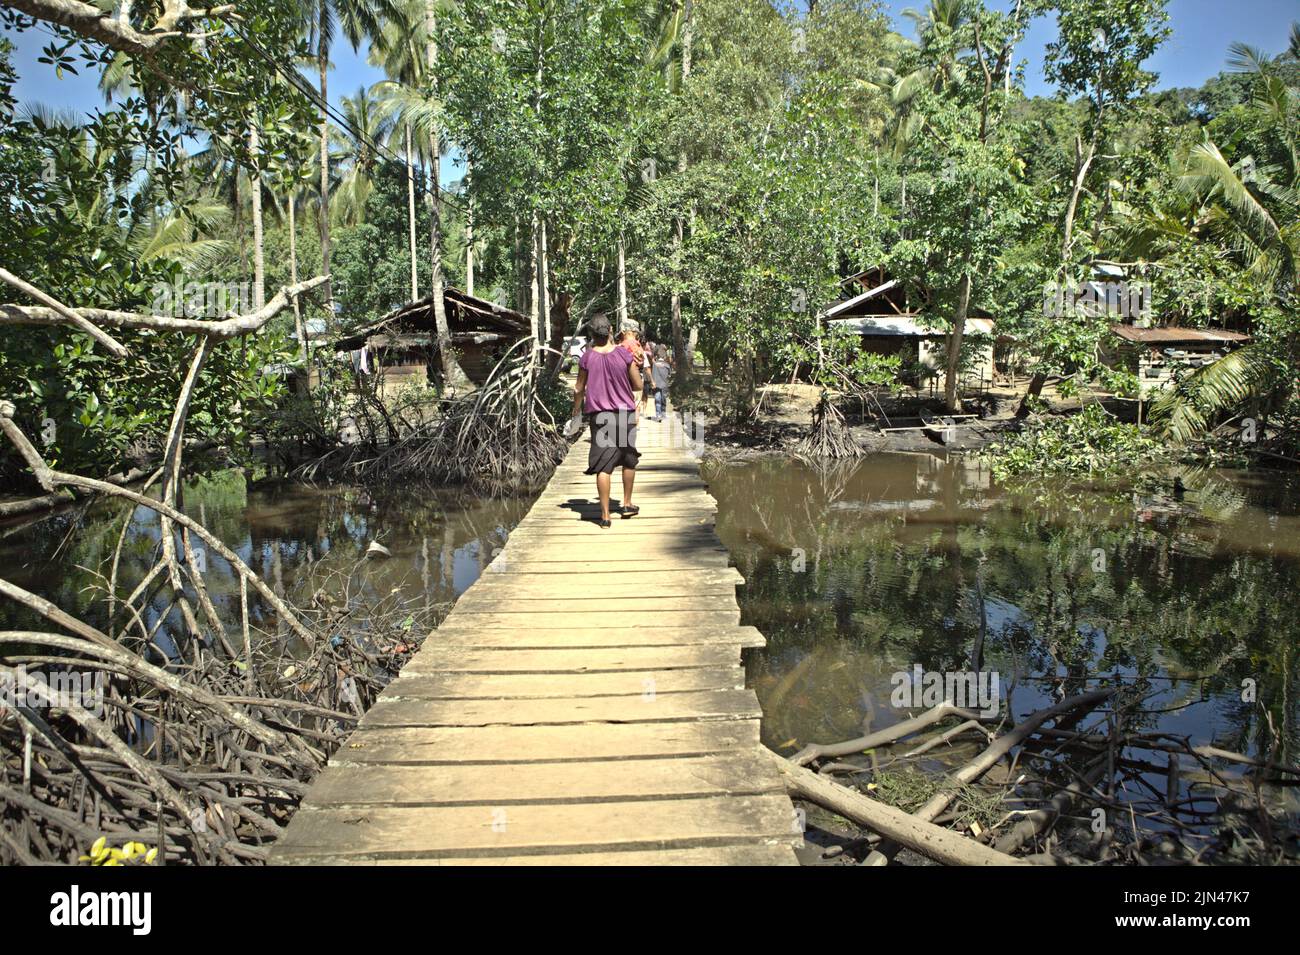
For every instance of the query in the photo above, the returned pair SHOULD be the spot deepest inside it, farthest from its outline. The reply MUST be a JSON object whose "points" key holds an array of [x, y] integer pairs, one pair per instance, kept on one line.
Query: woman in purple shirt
{"points": [[608, 380]]}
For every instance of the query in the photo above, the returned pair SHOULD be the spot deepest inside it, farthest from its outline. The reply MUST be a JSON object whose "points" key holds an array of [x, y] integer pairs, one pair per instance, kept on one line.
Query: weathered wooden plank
{"points": [[561, 743], [641, 824], [649, 706], [747, 854], [614, 582], [540, 565], [616, 606], [458, 633], [524, 619], [644, 525], [743, 772], [508, 686], [448, 659]]}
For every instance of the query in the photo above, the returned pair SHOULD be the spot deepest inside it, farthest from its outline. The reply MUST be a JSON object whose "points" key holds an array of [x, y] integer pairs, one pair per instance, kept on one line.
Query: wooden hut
{"points": [[891, 319], [403, 345], [1159, 355]]}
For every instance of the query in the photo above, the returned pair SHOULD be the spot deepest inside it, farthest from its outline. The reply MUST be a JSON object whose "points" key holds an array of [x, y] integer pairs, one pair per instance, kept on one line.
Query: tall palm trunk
{"points": [[410, 215], [324, 64], [469, 229], [622, 281], [534, 290], [543, 281], [679, 345], [454, 378], [950, 399]]}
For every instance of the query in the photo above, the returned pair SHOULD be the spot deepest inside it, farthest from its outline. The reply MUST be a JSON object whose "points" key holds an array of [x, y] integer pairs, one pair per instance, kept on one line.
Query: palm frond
{"points": [[1208, 168], [1186, 411]]}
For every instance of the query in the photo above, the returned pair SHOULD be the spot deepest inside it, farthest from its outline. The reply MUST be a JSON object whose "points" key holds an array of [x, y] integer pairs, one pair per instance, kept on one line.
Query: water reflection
{"points": [[870, 568], [293, 536]]}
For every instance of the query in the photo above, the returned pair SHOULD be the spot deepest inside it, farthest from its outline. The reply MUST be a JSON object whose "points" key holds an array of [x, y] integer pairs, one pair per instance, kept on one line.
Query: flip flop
{"points": [[629, 510]]}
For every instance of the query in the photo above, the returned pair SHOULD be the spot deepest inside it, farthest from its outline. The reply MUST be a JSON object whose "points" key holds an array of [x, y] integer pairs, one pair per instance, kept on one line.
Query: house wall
{"points": [[1155, 370], [927, 352], [402, 374], [981, 358]]}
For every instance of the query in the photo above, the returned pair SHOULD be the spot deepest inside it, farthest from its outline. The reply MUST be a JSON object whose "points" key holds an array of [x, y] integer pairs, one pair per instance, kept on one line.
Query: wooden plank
{"points": [[747, 854], [615, 606], [467, 634], [610, 582], [562, 743], [456, 660], [642, 525], [525, 620], [645, 707], [509, 686], [647, 586], [641, 824], [470, 784], [624, 561]]}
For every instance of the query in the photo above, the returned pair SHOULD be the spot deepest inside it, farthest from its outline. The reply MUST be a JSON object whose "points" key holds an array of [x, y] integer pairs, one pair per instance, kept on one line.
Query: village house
{"points": [[1159, 356], [890, 318], [402, 346]]}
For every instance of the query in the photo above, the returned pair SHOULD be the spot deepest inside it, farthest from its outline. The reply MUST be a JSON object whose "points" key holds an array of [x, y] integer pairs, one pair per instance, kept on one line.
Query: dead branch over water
{"points": [[1066, 795], [198, 736]]}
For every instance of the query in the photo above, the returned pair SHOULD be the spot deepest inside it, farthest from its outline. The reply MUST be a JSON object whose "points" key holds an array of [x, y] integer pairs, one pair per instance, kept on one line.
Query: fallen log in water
{"points": [[934, 842], [987, 759]]}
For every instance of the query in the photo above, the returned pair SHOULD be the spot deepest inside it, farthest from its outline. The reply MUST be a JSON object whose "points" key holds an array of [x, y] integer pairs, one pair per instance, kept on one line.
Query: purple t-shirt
{"points": [[608, 387]]}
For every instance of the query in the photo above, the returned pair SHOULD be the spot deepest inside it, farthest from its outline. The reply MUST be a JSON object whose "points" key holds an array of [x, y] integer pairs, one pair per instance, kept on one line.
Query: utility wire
{"points": [[299, 82]]}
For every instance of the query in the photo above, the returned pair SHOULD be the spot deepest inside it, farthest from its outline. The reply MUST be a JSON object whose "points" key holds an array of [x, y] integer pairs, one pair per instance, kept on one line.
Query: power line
{"points": [[300, 83]]}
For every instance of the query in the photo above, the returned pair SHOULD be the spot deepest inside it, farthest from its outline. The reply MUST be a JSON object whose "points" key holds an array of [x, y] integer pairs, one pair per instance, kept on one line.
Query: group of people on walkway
{"points": [[612, 376]]}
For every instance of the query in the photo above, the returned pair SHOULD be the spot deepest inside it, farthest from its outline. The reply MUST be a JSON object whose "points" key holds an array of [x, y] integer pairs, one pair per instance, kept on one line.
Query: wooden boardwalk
{"points": [[583, 703]]}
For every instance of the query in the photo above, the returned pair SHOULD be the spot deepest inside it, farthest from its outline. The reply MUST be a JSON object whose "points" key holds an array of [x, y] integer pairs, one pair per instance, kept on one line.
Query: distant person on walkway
{"points": [[661, 371], [609, 378], [646, 367]]}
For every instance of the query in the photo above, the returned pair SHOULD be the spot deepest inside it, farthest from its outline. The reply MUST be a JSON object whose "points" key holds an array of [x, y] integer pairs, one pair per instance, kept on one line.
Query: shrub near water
{"points": [[1088, 443]]}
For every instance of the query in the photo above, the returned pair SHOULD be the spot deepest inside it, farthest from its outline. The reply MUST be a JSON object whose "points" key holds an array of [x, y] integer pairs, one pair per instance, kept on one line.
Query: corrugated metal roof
{"points": [[1171, 334], [905, 326]]}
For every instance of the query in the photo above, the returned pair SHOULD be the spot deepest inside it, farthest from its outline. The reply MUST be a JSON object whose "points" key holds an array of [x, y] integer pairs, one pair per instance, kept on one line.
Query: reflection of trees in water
{"points": [[297, 538], [1073, 591]]}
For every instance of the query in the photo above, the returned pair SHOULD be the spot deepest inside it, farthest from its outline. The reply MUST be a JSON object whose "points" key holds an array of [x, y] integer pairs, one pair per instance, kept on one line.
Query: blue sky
{"points": [[1202, 30]]}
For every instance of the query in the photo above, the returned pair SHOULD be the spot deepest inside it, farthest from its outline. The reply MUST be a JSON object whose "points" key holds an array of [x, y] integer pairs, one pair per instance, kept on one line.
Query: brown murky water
{"points": [[903, 560], [294, 536]]}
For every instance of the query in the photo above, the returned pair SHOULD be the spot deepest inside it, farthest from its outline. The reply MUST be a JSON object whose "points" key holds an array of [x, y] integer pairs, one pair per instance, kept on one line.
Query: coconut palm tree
{"points": [[1253, 212], [358, 155], [358, 20], [398, 51]]}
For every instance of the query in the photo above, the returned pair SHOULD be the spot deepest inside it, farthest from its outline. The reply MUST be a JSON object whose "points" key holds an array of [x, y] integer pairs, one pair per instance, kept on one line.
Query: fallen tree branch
{"points": [[934, 842], [11, 314], [987, 759], [66, 314], [890, 734]]}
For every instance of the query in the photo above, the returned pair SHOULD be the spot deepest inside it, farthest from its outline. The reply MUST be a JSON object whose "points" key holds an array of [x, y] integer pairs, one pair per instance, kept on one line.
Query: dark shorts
{"points": [[613, 441]]}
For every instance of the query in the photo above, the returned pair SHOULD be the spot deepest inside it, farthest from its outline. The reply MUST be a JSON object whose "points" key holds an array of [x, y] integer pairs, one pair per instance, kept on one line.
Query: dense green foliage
{"points": [[746, 157]]}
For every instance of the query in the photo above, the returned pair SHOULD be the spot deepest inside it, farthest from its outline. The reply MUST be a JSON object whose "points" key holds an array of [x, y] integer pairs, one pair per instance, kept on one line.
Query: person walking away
{"points": [[661, 372], [609, 378], [647, 366]]}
